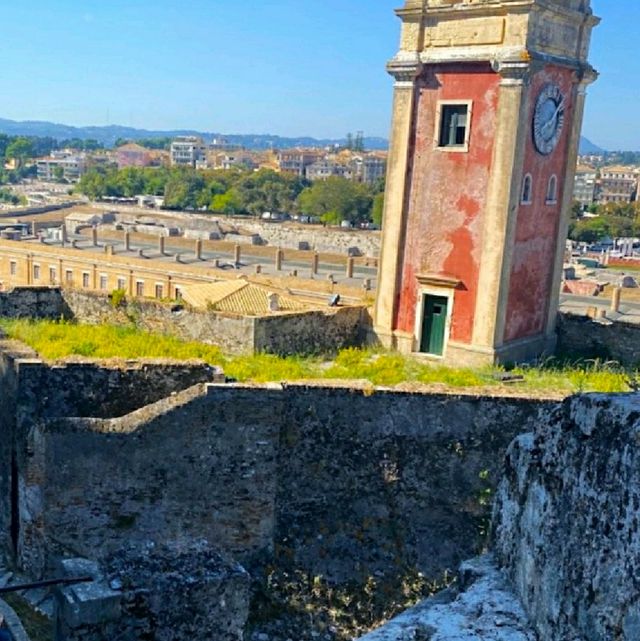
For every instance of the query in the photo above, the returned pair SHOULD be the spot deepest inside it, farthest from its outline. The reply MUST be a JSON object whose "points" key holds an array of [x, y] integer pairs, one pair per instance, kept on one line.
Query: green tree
{"points": [[590, 230], [337, 199], [267, 190], [227, 203], [20, 149], [58, 173], [182, 189], [377, 209]]}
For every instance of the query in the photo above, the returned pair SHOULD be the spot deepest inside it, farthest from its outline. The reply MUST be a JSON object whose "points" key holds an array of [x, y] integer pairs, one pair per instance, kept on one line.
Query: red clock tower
{"points": [[488, 105]]}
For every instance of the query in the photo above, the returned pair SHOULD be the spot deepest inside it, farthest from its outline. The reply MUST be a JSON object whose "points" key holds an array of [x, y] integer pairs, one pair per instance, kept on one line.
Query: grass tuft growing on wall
{"points": [[55, 340], [60, 340]]}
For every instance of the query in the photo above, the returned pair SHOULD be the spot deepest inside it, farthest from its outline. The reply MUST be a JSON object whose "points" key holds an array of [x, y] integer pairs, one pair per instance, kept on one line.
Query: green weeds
{"points": [[61, 340]]}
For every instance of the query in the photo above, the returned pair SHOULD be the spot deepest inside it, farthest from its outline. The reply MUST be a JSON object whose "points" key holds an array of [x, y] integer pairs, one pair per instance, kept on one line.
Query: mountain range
{"points": [[107, 135]]}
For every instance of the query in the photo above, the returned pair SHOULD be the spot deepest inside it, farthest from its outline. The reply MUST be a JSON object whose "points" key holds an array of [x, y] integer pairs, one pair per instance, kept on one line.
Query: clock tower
{"points": [[487, 112]]}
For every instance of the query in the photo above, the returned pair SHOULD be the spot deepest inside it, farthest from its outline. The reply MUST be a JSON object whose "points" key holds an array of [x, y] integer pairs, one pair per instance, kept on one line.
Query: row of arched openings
{"points": [[527, 190]]}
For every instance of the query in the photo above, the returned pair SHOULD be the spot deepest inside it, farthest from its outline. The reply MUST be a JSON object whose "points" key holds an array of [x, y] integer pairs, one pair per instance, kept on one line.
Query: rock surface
{"points": [[567, 520], [484, 610], [166, 593]]}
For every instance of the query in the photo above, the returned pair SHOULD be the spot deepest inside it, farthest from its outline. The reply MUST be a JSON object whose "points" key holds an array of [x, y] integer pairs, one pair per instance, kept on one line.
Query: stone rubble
{"points": [[485, 609]]}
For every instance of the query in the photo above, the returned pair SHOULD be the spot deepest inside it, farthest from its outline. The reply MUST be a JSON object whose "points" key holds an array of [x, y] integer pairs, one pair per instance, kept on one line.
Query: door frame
{"points": [[443, 292]]}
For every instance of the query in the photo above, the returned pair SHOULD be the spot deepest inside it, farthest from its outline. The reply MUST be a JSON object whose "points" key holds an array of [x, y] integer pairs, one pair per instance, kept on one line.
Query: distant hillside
{"points": [[587, 147], [109, 134]]}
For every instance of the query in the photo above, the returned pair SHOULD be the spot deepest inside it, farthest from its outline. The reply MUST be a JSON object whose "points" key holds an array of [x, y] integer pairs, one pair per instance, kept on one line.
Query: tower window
{"points": [[552, 191], [527, 189], [453, 126]]}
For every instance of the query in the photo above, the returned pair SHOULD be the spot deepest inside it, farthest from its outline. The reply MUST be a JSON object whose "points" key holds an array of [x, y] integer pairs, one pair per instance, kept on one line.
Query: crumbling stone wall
{"points": [[33, 302], [375, 484], [93, 389], [567, 520], [9, 353], [160, 592], [581, 336], [331, 482], [185, 468], [309, 332], [315, 332], [231, 333]]}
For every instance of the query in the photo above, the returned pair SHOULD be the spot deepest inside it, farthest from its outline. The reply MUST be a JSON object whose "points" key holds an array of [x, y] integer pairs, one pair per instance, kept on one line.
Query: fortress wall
{"points": [[325, 481], [185, 469], [9, 353], [581, 336], [316, 332], [33, 302], [382, 484], [567, 520], [92, 389], [233, 334]]}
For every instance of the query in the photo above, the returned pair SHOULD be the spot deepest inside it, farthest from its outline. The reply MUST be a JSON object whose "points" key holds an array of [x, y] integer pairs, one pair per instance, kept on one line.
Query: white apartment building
{"points": [[189, 151]]}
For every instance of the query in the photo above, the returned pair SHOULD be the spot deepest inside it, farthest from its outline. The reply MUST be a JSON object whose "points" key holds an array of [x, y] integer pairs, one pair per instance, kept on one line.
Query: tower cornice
{"points": [[463, 31]]}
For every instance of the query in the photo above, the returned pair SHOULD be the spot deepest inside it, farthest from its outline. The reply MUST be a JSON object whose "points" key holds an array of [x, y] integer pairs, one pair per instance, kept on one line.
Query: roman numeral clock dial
{"points": [[548, 119]]}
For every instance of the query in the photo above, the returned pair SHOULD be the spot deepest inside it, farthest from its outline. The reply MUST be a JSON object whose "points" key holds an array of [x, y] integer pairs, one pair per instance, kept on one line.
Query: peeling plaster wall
{"points": [[448, 193], [534, 248]]}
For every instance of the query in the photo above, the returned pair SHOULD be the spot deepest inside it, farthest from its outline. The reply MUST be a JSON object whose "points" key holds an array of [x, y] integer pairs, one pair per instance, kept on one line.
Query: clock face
{"points": [[548, 118]]}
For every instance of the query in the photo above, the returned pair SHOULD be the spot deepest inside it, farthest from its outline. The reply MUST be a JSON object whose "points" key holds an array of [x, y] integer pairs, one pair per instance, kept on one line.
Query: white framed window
{"points": [[552, 191], [104, 281], [526, 196], [159, 289], [85, 279], [13, 268], [68, 277], [36, 272], [453, 125], [53, 275], [122, 283], [139, 288]]}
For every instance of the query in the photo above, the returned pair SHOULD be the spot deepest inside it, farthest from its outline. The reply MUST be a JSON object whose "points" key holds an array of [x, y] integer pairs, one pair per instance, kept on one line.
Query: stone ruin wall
{"points": [[332, 481], [309, 332], [567, 520], [338, 483], [580, 336], [30, 390]]}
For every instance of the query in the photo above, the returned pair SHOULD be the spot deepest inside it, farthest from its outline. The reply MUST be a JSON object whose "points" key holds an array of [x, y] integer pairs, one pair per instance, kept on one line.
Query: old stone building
{"points": [[488, 107]]}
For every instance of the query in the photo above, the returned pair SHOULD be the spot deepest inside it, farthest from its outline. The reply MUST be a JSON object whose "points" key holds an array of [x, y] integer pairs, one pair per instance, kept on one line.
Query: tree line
{"points": [[613, 220], [240, 192]]}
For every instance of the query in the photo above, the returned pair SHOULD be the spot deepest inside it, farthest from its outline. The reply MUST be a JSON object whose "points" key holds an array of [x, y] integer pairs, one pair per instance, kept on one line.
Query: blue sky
{"points": [[265, 66]]}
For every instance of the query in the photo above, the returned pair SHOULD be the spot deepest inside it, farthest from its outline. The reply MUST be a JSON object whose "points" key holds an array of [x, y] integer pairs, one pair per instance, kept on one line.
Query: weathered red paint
{"points": [[534, 248], [448, 194]]}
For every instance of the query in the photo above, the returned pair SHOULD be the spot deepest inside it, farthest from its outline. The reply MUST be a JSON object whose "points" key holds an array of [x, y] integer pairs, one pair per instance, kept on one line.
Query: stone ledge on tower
{"points": [[556, 31]]}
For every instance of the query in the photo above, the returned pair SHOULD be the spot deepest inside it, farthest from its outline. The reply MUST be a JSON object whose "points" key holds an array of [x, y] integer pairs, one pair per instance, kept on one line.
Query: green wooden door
{"points": [[434, 323]]}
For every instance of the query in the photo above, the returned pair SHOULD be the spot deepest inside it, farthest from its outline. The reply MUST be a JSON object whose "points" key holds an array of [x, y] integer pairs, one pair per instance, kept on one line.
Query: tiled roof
{"points": [[237, 297]]}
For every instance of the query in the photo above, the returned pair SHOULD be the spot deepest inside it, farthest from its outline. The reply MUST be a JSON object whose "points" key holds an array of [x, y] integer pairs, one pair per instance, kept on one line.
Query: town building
{"points": [[296, 161], [189, 151], [368, 169], [584, 186], [232, 159], [62, 165], [323, 169], [488, 104], [618, 185]]}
